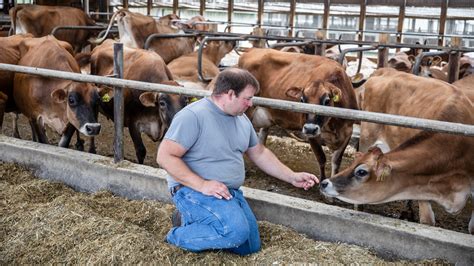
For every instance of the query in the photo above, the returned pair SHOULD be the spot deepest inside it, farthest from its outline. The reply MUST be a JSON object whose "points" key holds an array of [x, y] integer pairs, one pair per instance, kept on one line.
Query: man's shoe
{"points": [[176, 218]]}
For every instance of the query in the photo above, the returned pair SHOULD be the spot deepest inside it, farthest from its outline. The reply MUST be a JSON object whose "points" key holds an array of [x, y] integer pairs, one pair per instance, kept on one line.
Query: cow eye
{"points": [[71, 100], [361, 171], [326, 101], [162, 103]]}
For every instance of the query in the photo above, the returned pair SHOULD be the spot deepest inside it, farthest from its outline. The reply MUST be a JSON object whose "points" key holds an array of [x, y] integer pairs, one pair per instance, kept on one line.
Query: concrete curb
{"points": [[389, 237]]}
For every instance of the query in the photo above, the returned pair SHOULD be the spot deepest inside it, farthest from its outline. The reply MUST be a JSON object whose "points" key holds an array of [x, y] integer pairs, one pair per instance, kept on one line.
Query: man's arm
{"points": [[169, 158], [269, 163]]}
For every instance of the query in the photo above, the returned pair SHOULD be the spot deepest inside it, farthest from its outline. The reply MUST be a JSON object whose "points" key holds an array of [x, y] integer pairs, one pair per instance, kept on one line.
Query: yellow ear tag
{"points": [[105, 98], [336, 98], [193, 100]]}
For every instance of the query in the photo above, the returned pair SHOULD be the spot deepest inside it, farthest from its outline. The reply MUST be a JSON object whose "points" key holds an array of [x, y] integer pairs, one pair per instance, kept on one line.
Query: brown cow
{"points": [[309, 79], [144, 112], [185, 68], [135, 28], [63, 105], [446, 166], [41, 20], [10, 55]]}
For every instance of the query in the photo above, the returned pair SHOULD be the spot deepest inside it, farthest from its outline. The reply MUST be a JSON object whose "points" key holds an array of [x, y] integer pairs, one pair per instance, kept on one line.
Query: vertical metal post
{"points": [[327, 3], [118, 104], [175, 7], [202, 7], [442, 21], [260, 13], [230, 11], [363, 11], [401, 20], [149, 5], [292, 19], [383, 51], [86, 6], [453, 65]]}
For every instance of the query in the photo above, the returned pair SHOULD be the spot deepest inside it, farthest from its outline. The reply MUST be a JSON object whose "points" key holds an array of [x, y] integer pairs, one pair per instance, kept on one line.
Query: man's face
{"points": [[237, 105]]}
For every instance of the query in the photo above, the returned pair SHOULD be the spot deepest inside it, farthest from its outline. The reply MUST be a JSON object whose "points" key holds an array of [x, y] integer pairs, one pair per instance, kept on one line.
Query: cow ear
{"points": [[336, 94], [59, 95], [149, 98], [376, 151], [294, 92], [106, 93], [382, 169], [436, 61]]}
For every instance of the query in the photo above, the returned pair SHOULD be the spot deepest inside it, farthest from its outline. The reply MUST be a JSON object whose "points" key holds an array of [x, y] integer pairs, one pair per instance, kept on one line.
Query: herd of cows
{"points": [[394, 163]]}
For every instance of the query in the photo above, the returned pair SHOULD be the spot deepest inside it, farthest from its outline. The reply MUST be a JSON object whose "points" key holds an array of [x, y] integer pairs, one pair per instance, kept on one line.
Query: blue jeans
{"points": [[211, 223]]}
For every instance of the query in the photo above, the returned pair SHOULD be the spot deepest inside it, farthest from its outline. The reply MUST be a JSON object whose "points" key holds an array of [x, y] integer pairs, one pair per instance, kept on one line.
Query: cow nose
{"points": [[324, 184], [311, 129], [92, 128]]}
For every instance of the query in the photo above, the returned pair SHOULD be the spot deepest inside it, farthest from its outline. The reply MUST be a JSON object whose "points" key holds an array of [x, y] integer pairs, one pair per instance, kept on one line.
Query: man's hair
{"points": [[235, 79]]}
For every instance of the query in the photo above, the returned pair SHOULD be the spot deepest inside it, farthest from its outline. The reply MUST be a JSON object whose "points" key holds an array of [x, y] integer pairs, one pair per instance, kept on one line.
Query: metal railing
{"points": [[388, 119]]}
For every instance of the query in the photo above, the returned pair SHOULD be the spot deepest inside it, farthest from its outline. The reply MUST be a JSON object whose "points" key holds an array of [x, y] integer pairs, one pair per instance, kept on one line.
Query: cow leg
{"points": [[426, 213], [471, 222], [66, 136], [3, 104], [79, 142], [92, 148], [38, 131], [408, 214], [16, 133], [320, 156], [262, 135], [140, 149], [336, 157]]}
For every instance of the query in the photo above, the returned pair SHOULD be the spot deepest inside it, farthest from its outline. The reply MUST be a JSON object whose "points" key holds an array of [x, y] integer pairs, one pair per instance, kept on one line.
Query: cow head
{"points": [[81, 101], [365, 181], [319, 92], [402, 62], [216, 50], [168, 105]]}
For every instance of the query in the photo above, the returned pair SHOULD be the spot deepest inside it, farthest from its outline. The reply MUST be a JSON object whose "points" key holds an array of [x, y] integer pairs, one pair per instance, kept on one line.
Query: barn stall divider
{"points": [[387, 236]]}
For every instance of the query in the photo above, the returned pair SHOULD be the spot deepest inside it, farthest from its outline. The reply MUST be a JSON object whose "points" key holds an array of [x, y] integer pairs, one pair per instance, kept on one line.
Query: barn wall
{"points": [[389, 237]]}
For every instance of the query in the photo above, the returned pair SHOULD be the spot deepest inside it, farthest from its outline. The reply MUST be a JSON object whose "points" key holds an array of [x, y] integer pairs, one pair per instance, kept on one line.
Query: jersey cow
{"points": [[135, 28], [10, 55], [144, 112], [409, 164], [41, 20], [63, 105], [185, 67], [309, 79]]}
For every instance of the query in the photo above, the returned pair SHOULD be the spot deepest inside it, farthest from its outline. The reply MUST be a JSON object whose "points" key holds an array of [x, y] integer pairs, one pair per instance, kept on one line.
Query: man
{"points": [[203, 155]]}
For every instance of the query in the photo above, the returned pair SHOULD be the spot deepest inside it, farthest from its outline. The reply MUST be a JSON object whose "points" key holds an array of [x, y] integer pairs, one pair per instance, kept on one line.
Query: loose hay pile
{"points": [[46, 222]]}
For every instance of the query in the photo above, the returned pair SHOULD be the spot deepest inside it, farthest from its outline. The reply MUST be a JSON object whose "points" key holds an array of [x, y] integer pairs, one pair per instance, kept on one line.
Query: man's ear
{"points": [[294, 92]]}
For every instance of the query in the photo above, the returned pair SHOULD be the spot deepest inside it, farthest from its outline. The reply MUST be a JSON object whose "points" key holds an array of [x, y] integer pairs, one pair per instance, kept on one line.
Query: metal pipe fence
{"points": [[394, 120]]}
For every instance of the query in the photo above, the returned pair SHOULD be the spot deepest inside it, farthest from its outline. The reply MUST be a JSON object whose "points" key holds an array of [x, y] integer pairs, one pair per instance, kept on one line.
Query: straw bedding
{"points": [[47, 222]]}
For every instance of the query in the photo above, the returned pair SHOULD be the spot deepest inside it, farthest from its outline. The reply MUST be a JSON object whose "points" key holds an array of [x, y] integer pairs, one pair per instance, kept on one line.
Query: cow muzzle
{"points": [[327, 188], [313, 130], [90, 129]]}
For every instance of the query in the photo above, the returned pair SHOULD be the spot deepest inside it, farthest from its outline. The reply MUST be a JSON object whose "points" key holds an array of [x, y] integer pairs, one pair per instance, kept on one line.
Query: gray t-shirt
{"points": [[215, 142]]}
